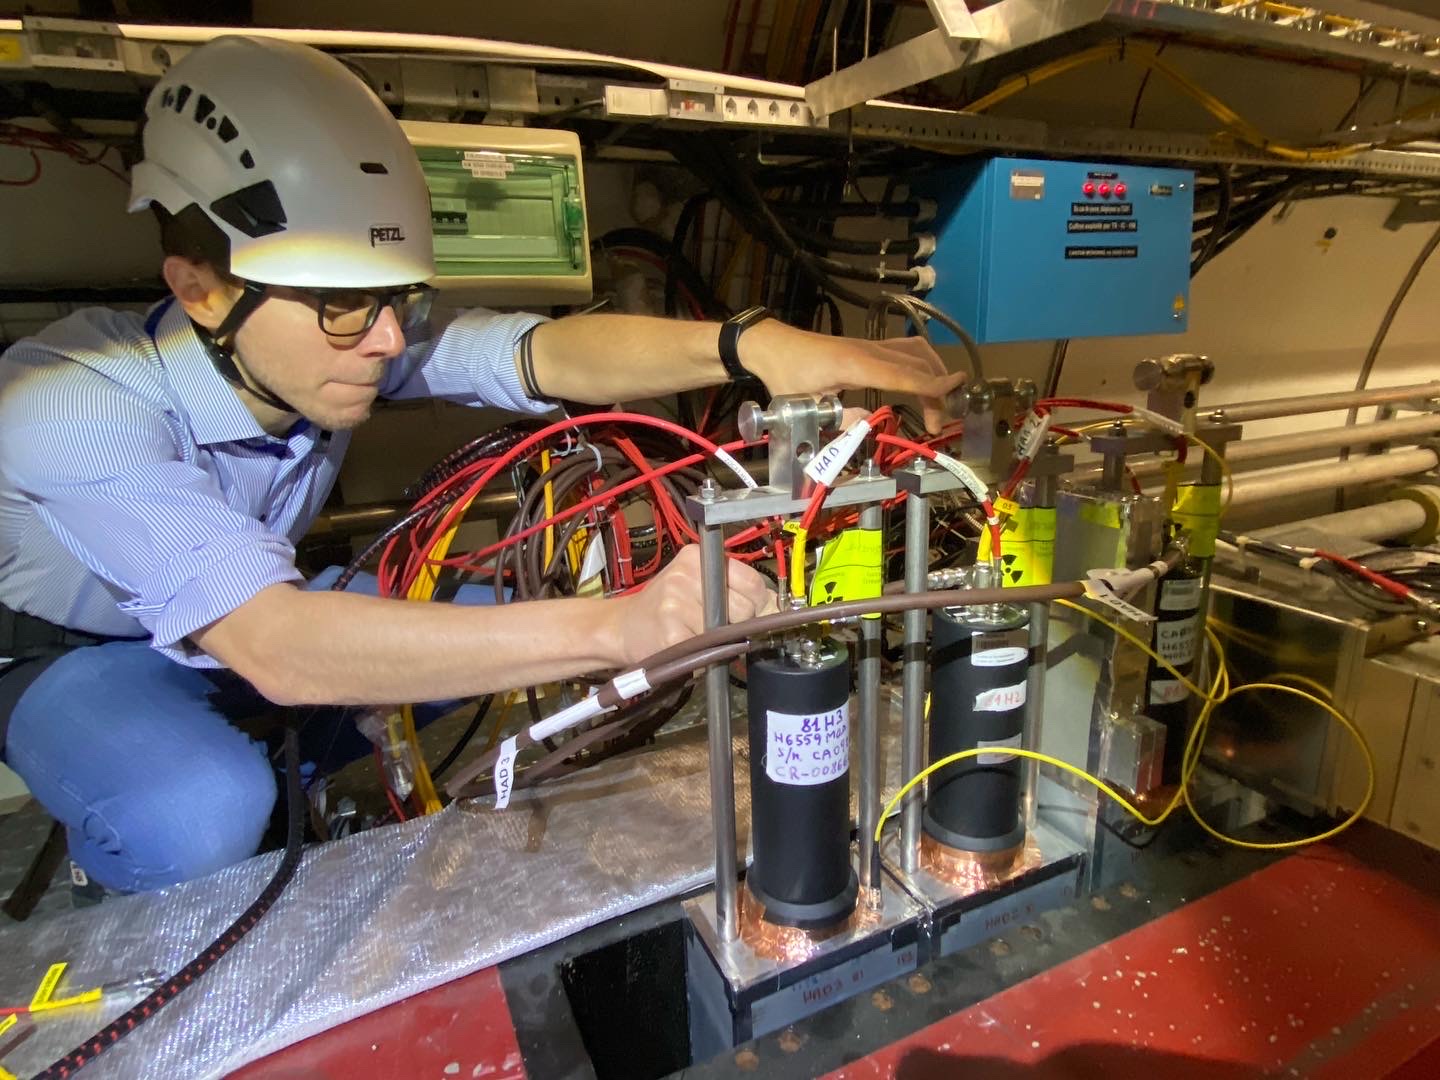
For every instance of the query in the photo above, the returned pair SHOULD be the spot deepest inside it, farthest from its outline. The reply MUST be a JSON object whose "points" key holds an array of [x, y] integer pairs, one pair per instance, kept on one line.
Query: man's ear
{"points": [[204, 295]]}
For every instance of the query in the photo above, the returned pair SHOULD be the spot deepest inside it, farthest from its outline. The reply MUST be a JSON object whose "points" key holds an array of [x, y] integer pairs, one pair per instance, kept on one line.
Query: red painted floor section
{"points": [[459, 1031], [1317, 966]]}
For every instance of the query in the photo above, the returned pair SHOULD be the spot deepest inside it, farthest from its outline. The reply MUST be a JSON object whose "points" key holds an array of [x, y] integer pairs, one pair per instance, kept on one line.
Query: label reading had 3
{"points": [[1001, 699], [804, 750], [999, 648]]}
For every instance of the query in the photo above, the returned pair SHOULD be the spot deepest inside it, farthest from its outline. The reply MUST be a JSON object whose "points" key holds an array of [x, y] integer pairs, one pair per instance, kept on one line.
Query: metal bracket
{"points": [[794, 423], [953, 17]]}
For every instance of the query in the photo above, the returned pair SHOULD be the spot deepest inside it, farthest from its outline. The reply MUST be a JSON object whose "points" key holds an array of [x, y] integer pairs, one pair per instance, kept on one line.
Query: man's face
{"points": [[332, 383]]}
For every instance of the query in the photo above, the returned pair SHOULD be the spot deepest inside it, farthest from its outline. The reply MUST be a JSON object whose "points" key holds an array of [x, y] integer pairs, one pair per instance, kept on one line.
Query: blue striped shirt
{"points": [[139, 497]]}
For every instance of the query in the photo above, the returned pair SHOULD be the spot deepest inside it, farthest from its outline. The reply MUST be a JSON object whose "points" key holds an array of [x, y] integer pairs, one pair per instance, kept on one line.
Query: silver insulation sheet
{"points": [[376, 917]]}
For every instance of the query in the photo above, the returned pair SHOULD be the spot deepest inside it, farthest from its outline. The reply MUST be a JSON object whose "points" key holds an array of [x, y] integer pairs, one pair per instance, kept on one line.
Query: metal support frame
{"points": [[717, 714], [868, 692], [912, 739]]}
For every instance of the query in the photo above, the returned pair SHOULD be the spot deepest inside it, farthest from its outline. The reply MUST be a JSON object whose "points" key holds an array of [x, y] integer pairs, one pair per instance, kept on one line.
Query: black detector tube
{"points": [[800, 787]]}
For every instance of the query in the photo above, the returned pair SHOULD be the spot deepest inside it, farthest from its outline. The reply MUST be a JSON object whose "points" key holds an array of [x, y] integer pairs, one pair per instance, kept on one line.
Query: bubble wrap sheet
{"points": [[375, 918]]}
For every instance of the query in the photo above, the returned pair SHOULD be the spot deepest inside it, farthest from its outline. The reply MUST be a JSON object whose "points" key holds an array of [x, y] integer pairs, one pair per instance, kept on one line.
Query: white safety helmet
{"points": [[294, 159]]}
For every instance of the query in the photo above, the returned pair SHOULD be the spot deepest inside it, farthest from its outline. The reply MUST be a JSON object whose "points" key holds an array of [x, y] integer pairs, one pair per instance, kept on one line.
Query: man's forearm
{"points": [[343, 649], [602, 358]]}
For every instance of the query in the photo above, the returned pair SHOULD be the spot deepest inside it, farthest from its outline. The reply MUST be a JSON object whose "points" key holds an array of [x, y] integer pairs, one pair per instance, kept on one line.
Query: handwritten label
{"points": [[505, 773], [1167, 691], [804, 750], [1000, 699], [1176, 641], [825, 467], [999, 745]]}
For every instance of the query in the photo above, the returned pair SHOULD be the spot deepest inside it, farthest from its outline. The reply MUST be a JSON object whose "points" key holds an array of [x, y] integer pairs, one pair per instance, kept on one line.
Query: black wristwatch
{"points": [[730, 331]]}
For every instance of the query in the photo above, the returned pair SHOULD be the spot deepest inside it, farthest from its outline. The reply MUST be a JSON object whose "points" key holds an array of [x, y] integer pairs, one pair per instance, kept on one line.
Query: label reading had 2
{"points": [[1000, 699], [804, 750]]}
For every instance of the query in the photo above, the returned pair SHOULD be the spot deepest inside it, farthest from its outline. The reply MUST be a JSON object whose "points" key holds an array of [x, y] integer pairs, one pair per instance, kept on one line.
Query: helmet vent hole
{"points": [[374, 168], [227, 130], [203, 108], [182, 95], [247, 160]]}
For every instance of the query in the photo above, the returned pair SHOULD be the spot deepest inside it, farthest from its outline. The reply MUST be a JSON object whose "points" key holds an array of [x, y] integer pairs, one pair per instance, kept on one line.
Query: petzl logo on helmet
{"points": [[386, 234]]}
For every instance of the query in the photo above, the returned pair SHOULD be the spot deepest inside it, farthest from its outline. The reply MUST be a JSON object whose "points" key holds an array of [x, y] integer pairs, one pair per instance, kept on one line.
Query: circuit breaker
{"points": [[1029, 250]]}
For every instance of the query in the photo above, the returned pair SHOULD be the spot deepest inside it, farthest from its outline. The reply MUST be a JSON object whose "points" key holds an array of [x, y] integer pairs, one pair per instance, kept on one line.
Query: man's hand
{"points": [[671, 608], [791, 361]]}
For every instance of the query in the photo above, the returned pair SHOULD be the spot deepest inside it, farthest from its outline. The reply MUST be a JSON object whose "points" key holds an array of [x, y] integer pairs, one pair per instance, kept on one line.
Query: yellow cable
{"points": [[1148, 57], [1314, 685], [549, 508], [1135, 640], [1286, 845]]}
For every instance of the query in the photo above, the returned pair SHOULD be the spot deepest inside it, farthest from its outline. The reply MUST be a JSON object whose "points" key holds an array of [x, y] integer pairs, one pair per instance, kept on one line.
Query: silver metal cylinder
{"points": [[1254, 490], [1241, 411], [1251, 452], [1387, 520], [868, 690], [722, 767], [1043, 496], [912, 736]]}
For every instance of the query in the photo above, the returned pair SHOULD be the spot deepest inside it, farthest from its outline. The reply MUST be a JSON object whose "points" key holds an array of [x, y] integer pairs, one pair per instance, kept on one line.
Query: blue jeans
{"points": [[138, 757]]}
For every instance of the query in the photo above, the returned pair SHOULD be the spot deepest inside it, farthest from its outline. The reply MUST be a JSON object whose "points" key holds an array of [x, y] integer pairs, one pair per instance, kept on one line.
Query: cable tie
{"points": [[568, 717], [1309, 562], [599, 461], [631, 684]]}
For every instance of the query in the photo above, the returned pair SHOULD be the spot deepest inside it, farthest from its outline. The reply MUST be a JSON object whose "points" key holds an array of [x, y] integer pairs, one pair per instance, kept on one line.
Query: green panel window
{"points": [[505, 214]]}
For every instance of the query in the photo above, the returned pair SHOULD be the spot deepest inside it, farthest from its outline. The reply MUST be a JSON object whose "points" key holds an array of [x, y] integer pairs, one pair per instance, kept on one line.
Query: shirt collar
{"points": [[214, 411]]}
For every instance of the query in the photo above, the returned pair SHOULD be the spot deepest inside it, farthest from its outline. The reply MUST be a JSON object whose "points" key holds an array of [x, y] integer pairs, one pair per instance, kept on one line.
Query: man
{"points": [[155, 472]]}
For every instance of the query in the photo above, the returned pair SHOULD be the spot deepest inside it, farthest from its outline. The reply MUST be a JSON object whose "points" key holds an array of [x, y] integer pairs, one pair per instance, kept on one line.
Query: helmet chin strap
{"points": [[221, 346]]}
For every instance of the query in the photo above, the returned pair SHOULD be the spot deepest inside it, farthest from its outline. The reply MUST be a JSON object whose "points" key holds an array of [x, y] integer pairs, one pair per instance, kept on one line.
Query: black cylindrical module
{"points": [[800, 788], [980, 660], [1178, 627]]}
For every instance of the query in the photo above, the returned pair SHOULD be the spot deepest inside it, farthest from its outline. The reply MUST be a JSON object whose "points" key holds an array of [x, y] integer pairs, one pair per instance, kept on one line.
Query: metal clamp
{"points": [[794, 424]]}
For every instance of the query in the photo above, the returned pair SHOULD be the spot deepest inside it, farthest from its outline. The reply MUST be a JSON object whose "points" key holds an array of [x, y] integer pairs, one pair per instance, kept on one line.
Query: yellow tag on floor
{"points": [[46, 990], [851, 568]]}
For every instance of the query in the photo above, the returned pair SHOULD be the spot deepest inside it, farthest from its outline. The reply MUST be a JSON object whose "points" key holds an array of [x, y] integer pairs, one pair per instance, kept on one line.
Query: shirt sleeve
{"points": [[470, 361], [106, 478]]}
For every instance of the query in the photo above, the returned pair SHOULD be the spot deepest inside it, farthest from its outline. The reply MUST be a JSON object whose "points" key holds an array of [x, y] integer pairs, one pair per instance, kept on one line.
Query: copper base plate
{"points": [[969, 872], [790, 944]]}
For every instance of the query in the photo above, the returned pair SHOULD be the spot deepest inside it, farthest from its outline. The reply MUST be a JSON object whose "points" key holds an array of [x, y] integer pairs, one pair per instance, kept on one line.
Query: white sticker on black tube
{"points": [[1012, 743], [1176, 641], [505, 773], [1167, 691], [807, 749], [1000, 699], [1180, 594]]}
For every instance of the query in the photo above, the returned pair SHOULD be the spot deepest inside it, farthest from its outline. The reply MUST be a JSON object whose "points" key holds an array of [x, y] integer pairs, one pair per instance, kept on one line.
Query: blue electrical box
{"points": [[1030, 250]]}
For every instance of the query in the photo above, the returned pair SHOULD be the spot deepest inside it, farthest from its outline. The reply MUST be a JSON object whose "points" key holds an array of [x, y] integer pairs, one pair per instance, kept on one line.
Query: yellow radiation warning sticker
{"points": [[1027, 546], [851, 568]]}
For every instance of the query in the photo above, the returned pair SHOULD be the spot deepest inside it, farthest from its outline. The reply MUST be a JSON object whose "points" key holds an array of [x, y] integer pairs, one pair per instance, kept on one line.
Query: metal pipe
{"points": [[1388, 520], [1251, 490], [1241, 411], [722, 766], [872, 517], [912, 735], [1044, 496], [1248, 452]]}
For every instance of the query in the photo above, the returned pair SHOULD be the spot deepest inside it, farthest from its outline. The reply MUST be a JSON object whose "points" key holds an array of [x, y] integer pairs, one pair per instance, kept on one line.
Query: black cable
{"points": [[1221, 222], [455, 751], [688, 213], [117, 1029]]}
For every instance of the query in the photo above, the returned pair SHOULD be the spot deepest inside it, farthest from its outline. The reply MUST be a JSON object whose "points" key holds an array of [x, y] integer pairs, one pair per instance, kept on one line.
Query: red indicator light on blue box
{"points": [[1089, 188], [1104, 191], [1120, 190]]}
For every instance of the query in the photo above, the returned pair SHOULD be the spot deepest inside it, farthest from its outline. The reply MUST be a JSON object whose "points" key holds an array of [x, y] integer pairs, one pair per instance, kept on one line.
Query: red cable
{"points": [[385, 783], [1389, 584]]}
